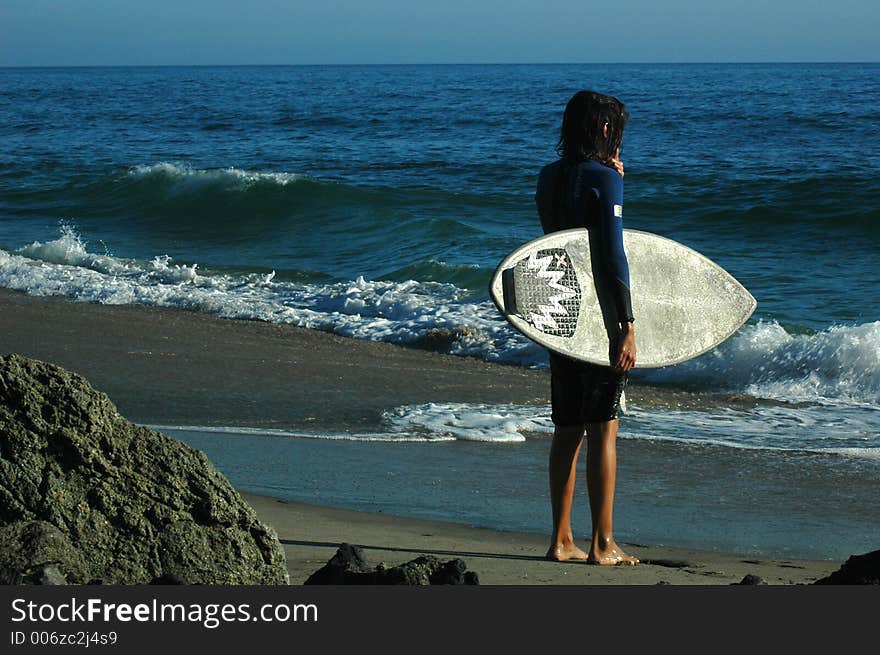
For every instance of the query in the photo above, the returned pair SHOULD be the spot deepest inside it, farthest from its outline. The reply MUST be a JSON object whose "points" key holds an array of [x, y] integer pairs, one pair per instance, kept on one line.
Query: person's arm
{"points": [[609, 232]]}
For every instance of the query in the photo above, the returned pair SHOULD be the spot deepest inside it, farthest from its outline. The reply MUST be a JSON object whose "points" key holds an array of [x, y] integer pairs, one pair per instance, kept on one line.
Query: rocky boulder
{"points": [[858, 569], [36, 552], [349, 567], [87, 496]]}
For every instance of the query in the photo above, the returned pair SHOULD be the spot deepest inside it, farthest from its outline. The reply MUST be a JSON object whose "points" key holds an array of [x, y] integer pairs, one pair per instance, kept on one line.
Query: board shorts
{"points": [[581, 392]]}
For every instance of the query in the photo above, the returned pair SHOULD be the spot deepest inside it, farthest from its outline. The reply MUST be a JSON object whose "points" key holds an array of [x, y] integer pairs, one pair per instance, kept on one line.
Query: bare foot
{"points": [[611, 555], [565, 552]]}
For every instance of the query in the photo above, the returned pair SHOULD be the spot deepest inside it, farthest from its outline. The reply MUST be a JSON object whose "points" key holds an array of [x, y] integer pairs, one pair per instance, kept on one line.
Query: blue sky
{"points": [[123, 32]]}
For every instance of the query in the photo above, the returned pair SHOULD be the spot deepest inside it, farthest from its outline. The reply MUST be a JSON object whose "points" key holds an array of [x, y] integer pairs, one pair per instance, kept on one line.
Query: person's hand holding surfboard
{"points": [[626, 348]]}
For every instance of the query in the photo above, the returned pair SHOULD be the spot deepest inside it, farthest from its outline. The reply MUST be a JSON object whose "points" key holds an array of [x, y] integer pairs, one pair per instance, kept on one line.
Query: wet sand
{"points": [[168, 366], [172, 366], [311, 535]]}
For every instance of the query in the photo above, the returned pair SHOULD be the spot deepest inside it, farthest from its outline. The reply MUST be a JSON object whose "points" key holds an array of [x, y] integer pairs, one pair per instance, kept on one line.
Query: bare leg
{"points": [[563, 472], [601, 478]]}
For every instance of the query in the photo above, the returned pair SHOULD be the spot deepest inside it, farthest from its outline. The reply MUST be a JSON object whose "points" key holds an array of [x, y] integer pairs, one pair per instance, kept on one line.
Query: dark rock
{"points": [[349, 567], [751, 579], [36, 552], [451, 572], [419, 571], [858, 569], [441, 340], [103, 499], [10, 576]]}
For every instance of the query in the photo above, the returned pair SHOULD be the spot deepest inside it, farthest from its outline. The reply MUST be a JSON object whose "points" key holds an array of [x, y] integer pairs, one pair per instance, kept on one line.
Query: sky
{"points": [[220, 32]]}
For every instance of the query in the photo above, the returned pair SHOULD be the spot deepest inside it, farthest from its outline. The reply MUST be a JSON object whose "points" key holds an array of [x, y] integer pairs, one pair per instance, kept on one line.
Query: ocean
{"points": [[374, 202]]}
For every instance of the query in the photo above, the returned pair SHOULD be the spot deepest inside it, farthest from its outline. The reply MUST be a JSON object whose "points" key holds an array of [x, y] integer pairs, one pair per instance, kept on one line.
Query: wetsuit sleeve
{"points": [[609, 230], [547, 199]]}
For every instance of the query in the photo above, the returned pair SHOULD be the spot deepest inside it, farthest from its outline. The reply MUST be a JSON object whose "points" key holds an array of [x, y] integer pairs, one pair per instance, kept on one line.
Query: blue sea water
{"points": [[375, 202]]}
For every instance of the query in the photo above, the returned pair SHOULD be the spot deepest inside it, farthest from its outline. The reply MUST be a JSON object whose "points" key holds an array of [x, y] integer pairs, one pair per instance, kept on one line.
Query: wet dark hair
{"points": [[581, 136]]}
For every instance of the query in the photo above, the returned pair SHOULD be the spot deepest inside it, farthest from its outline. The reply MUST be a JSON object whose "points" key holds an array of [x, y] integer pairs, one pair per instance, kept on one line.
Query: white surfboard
{"points": [[684, 303]]}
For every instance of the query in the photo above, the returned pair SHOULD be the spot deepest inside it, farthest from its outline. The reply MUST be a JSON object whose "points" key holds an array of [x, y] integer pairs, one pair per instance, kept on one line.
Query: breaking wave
{"points": [[838, 364]]}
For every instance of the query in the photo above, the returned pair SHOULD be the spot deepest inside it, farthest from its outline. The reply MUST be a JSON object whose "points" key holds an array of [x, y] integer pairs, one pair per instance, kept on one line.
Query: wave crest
{"points": [[839, 363], [427, 314], [235, 178]]}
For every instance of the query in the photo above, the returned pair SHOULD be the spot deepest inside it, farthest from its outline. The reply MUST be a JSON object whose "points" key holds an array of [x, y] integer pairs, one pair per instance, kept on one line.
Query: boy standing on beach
{"points": [[584, 188]]}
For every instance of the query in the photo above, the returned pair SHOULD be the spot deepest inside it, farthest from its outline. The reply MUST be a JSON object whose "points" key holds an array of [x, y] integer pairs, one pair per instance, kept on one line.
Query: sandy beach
{"points": [[181, 367], [172, 366], [185, 368], [310, 536]]}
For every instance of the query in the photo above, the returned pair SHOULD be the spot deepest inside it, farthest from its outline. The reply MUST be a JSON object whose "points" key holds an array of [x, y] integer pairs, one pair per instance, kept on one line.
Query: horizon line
{"points": [[549, 63]]}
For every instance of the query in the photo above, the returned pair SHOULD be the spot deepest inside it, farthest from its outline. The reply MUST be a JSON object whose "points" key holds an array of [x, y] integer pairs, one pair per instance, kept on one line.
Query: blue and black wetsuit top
{"points": [[589, 194]]}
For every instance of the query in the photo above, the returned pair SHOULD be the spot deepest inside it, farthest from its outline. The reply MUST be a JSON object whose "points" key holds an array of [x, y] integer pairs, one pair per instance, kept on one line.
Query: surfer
{"points": [[584, 188]]}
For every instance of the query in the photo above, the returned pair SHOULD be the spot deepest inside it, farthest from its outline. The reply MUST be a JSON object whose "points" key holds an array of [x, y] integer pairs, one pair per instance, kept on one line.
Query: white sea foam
{"points": [[840, 364], [850, 432], [431, 422], [185, 177], [817, 428], [821, 429], [301, 434], [368, 309], [69, 249], [471, 422]]}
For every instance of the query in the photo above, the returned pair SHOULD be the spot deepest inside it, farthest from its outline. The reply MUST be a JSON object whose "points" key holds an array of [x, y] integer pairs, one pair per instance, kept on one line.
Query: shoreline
{"points": [[181, 367], [173, 366], [310, 535]]}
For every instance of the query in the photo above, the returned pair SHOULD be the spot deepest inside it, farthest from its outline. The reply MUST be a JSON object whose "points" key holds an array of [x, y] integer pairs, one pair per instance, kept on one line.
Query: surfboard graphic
{"points": [[684, 303], [546, 291]]}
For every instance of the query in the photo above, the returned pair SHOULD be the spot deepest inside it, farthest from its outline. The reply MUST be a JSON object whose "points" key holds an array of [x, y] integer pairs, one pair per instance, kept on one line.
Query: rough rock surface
{"points": [[349, 567], [36, 552], [87, 496], [858, 569], [751, 579]]}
